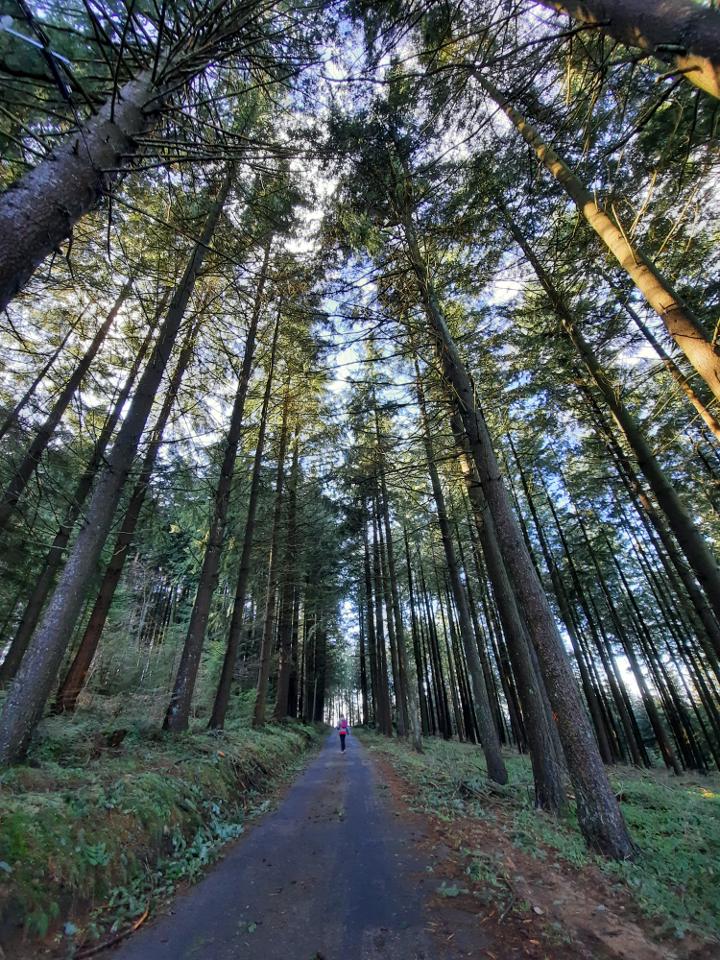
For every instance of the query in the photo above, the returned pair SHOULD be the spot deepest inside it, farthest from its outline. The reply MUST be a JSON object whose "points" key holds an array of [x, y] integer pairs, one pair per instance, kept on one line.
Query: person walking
{"points": [[343, 730]]}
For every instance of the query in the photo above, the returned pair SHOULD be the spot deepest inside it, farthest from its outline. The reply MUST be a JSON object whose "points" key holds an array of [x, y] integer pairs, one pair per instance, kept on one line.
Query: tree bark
{"points": [[76, 676], [24, 471], [33, 682], [54, 557], [672, 368], [39, 211], [222, 697], [679, 32], [177, 715], [599, 815], [680, 322]]}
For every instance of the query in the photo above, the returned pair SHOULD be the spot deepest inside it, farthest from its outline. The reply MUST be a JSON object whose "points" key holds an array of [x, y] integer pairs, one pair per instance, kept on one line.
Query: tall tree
{"points": [[680, 321], [27, 467], [33, 682], [178, 711], [41, 209]]}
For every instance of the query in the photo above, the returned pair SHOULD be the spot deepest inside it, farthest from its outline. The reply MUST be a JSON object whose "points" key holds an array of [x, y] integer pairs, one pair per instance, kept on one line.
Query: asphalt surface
{"points": [[333, 874]]}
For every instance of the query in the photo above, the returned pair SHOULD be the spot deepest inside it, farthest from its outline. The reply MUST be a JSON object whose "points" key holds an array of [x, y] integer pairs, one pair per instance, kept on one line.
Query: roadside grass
{"points": [[90, 834], [675, 881]]}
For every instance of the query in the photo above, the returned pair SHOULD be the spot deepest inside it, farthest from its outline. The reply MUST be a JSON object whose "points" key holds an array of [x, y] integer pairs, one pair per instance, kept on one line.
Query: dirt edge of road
{"points": [[489, 891]]}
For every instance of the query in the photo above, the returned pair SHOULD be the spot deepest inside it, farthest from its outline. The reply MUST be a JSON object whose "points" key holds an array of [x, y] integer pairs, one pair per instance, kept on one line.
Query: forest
{"points": [[357, 359]]}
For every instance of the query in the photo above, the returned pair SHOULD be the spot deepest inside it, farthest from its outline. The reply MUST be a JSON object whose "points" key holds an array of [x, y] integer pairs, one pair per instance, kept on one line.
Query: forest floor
{"points": [[526, 878]]}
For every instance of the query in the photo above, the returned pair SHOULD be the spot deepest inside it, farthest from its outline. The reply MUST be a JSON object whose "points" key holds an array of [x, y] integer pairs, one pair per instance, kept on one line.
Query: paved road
{"points": [[332, 874]]}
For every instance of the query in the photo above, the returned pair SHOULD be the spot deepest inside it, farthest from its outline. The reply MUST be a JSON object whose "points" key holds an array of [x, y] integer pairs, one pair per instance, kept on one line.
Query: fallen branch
{"points": [[92, 951]]}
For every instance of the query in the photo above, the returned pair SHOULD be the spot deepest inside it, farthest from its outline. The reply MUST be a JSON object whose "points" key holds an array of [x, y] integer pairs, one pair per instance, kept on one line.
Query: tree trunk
{"points": [[441, 697], [398, 688], [672, 368], [39, 211], [54, 558], [599, 814], [547, 766], [365, 714], [706, 624], [383, 689], [222, 697], [288, 591], [679, 32], [691, 541], [34, 680], [680, 322], [409, 692], [14, 414], [76, 676], [483, 711], [28, 466], [177, 715], [266, 643], [370, 622], [416, 639]]}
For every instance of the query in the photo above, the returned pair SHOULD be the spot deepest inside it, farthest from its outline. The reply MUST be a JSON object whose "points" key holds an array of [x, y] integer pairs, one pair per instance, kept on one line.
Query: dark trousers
{"points": [[342, 740]]}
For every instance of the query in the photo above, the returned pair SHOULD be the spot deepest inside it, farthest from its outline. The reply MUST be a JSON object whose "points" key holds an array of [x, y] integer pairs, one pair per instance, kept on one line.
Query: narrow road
{"points": [[333, 874]]}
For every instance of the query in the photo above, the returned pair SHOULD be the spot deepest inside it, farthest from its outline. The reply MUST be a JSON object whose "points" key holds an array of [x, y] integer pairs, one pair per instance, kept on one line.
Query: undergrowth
{"points": [[675, 823], [90, 835]]}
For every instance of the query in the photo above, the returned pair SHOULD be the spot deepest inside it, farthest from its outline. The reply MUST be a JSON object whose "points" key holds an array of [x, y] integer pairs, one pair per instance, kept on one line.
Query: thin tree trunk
{"points": [[76, 676], [441, 697], [409, 692], [452, 678], [363, 664], [680, 322], [54, 557], [398, 688], [370, 622], [416, 639], [462, 681], [24, 471], [177, 715], [287, 593], [386, 726], [708, 628], [293, 686], [483, 711], [14, 414], [222, 696], [599, 815], [545, 759], [33, 682], [691, 541], [266, 642]]}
